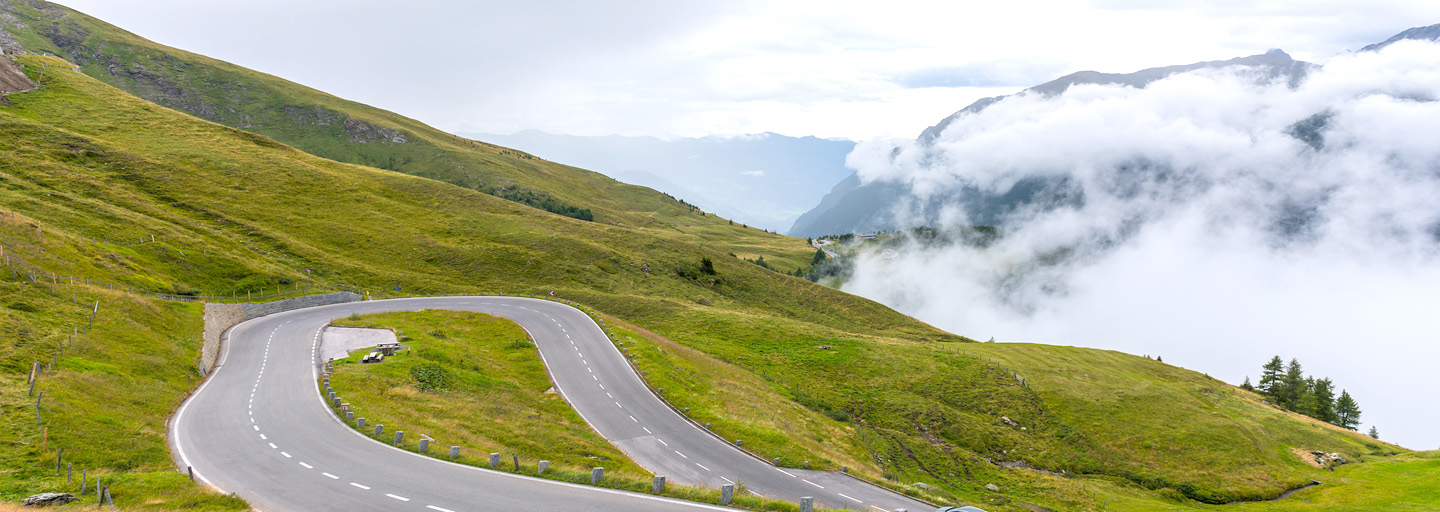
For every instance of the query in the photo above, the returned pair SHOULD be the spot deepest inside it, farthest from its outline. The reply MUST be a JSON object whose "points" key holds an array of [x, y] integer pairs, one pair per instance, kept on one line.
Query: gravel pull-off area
{"points": [[338, 342]]}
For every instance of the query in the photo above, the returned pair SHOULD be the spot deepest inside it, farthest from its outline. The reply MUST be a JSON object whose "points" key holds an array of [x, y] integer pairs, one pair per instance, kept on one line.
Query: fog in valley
{"points": [[1215, 218]]}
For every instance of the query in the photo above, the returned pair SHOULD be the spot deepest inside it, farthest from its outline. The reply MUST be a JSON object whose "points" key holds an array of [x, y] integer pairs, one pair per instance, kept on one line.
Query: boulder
{"points": [[992, 487], [1009, 421], [46, 499]]}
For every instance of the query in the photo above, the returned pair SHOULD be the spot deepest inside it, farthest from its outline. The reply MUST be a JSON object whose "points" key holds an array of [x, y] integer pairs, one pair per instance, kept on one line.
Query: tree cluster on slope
{"points": [[1287, 386], [539, 199]]}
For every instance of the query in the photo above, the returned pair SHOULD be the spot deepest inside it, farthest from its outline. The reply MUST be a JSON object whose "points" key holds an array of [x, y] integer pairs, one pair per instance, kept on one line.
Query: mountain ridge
{"points": [[856, 206]]}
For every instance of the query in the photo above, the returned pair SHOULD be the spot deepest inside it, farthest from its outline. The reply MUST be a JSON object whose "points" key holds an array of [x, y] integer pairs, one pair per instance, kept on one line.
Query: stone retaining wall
{"points": [[221, 317]]}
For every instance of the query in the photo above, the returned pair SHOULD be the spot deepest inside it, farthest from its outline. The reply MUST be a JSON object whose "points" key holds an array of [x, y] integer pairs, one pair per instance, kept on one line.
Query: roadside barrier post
{"points": [[807, 504], [517, 462], [659, 485], [424, 445], [360, 423], [494, 460], [454, 452], [379, 429], [541, 467], [399, 437], [595, 475], [727, 494]]}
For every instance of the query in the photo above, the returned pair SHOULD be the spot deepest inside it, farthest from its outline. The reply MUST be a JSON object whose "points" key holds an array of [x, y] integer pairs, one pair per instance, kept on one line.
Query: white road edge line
{"points": [[315, 372]]}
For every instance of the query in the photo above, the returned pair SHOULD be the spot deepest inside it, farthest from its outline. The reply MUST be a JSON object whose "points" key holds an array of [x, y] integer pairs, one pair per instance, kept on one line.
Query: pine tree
{"points": [[1324, 393], [819, 258], [1374, 433], [1307, 403], [1294, 384], [1270, 382], [1246, 385], [1347, 412]]}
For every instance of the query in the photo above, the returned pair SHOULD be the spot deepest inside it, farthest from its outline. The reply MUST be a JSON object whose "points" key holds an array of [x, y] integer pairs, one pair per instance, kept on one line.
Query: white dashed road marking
{"points": [[812, 483], [401, 498], [332, 477], [849, 498], [307, 466], [360, 486]]}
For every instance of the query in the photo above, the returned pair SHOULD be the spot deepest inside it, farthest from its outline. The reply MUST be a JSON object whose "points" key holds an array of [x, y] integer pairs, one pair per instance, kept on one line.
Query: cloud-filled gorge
{"points": [[1216, 218]]}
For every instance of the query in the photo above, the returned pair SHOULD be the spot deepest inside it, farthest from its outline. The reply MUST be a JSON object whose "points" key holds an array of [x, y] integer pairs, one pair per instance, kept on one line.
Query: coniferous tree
{"points": [[1324, 394], [1294, 384], [1374, 432], [1270, 379], [1307, 404], [1246, 385], [1347, 412]]}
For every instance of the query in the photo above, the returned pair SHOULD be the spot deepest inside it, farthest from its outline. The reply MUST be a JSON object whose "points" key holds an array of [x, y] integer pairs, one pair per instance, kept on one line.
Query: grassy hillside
{"points": [[827, 377], [342, 130]]}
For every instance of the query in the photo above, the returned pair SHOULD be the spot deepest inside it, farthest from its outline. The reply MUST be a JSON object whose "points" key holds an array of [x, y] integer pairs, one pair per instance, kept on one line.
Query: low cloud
{"points": [[1222, 218]]}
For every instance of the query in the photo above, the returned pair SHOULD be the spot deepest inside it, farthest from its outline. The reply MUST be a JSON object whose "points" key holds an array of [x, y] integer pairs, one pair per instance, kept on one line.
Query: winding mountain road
{"points": [[259, 428]]}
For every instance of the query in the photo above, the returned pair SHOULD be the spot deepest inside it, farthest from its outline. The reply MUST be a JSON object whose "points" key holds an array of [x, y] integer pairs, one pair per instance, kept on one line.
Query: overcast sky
{"points": [[670, 68]]}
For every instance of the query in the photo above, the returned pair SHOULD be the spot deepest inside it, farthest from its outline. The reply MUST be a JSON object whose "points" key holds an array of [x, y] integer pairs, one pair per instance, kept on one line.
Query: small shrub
{"points": [[430, 376]]}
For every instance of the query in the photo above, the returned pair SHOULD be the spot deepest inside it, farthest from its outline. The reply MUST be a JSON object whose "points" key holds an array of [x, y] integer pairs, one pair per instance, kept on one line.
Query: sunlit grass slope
{"points": [[797, 370]]}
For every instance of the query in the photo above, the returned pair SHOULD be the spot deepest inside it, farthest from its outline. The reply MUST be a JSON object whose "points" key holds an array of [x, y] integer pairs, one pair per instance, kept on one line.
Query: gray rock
{"points": [[1009, 421], [992, 487], [46, 499], [921, 485]]}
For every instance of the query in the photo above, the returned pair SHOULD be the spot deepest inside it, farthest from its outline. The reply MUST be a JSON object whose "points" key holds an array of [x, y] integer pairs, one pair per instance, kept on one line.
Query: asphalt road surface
{"points": [[259, 428]]}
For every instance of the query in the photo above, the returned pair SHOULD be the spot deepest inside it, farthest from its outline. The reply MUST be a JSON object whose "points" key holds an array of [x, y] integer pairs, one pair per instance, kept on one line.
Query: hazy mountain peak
{"points": [[1276, 62], [1430, 33]]}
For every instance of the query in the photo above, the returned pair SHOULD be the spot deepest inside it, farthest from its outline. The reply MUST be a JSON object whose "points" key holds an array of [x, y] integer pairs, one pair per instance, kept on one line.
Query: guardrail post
{"points": [[807, 504], [424, 446], [517, 462], [595, 475], [494, 460], [659, 485], [399, 437], [349, 416], [844, 469], [359, 422], [541, 467], [727, 494], [454, 452], [379, 429]]}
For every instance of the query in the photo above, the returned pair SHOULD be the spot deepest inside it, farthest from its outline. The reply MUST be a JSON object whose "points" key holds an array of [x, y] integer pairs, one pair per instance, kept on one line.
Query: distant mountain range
{"points": [[764, 180], [857, 206]]}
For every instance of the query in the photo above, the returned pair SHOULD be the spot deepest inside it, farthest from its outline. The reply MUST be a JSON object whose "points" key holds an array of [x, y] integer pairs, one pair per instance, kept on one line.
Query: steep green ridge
{"points": [[81, 160], [327, 126]]}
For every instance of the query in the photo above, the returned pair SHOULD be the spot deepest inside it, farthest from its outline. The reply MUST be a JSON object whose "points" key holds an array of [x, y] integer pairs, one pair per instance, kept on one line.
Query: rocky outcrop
{"points": [[361, 132], [12, 79], [49, 498]]}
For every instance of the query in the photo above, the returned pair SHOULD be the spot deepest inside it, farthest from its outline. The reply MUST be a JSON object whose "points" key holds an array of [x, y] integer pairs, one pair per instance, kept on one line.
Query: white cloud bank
{"points": [[1208, 234]]}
